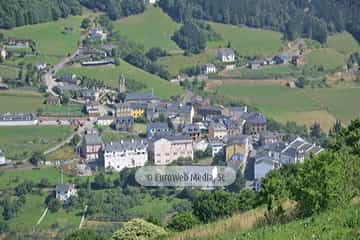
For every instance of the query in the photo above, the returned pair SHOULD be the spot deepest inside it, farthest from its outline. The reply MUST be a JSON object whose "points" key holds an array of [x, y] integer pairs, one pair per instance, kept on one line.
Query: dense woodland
{"points": [[23, 12], [295, 18]]}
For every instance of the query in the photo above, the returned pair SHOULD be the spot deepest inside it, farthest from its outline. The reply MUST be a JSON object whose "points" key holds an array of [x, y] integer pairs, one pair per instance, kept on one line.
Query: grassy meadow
{"points": [[52, 38], [9, 72], [153, 28], [19, 101], [63, 110], [304, 106], [248, 41], [19, 142], [110, 76], [344, 43], [328, 58], [265, 72]]}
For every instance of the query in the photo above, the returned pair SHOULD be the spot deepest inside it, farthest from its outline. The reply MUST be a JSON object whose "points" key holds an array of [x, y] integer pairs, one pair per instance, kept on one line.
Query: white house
{"points": [[97, 34], [125, 154], [209, 68], [226, 55], [105, 121], [2, 158], [297, 151], [65, 191], [166, 149], [3, 53], [153, 1], [217, 146]]}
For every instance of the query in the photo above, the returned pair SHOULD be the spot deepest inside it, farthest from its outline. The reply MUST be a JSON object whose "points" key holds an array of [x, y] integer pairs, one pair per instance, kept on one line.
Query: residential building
{"points": [[3, 53], [133, 109], [91, 146], [217, 146], [235, 112], [2, 158], [179, 114], [268, 137], [18, 119], [297, 150], [105, 121], [209, 69], [226, 55], [91, 95], [196, 131], [156, 128], [166, 149], [124, 124], [125, 154], [123, 110], [92, 109], [255, 123], [255, 65], [217, 130], [207, 113], [41, 66], [238, 148], [63, 192], [97, 34], [53, 100], [69, 78], [234, 126], [264, 163]]}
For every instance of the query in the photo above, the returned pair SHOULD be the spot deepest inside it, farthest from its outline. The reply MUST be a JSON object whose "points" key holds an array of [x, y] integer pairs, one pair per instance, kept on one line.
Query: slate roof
{"points": [[226, 51], [126, 145], [125, 119], [93, 139], [255, 117], [238, 139], [138, 96], [157, 125], [64, 187], [18, 117]]}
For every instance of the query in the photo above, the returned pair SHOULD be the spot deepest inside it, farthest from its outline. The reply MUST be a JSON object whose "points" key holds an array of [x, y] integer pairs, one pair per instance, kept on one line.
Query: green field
{"points": [[344, 43], [29, 214], [63, 219], [9, 72], [328, 58], [153, 28], [51, 38], [20, 142], [248, 41], [301, 105], [110, 76], [63, 110], [19, 101], [178, 62], [265, 72], [64, 153], [33, 60]]}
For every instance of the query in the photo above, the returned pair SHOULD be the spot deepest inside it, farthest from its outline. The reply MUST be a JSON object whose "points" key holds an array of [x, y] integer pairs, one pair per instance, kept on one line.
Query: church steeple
{"points": [[122, 84]]}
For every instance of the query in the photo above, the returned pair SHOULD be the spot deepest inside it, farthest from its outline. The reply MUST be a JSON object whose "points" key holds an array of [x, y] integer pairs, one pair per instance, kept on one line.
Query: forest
{"points": [[295, 18], [24, 12]]}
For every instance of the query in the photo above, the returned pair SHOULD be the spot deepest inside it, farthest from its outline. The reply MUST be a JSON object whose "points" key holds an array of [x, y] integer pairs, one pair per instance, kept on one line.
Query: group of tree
{"points": [[311, 19]]}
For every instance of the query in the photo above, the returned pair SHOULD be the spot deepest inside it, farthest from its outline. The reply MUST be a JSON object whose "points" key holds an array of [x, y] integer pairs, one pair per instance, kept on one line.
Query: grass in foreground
{"points": [[248, 41], [20, 142], [153, 28], [110, 76], [19, 101]]}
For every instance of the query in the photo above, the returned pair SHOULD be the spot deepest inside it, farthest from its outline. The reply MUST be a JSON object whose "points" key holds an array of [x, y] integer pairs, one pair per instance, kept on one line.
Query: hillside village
{"points": [[78, 122]]}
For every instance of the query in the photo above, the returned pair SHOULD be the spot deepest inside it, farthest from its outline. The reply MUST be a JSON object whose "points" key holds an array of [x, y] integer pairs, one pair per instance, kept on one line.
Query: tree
{"points": [[85, 23], [4, 227], [190, 38], [154, 53], [54, 205], [315, 131], [66, 97], [238, 184], [139, 229], [37, 157], [183, 221]]}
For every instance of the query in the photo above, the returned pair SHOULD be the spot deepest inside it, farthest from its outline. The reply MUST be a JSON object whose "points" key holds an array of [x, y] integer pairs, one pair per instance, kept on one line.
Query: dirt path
{"points": [[83, 217], [42, 216]]}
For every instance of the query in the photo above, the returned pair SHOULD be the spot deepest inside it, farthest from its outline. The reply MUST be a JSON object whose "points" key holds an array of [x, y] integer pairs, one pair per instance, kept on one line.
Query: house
{"points": [[235, 112], [237, 148], [105, 121], [3, 53], [125, 154], [153, 1], [41, 66], [207, 113], [53, 100], [233, 126], [196, 131], [217, 130], [92, 109], [179, 114], [89, 94], [156, 128], [91, 146], [226, 55], [140, 97], [122, 110], [268, 137], [255, 123], [166, 149], [2, 158], [209, 68], [97, 34], [282, 59], [297, 150], [125, 124], [18, 119], [217, 147], [63, 192], [69, 78], [262, 166], [255, 65]]}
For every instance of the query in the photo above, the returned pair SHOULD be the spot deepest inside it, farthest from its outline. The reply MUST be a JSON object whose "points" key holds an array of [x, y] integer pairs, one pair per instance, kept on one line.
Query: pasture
{"points": [[265, 72], [153, 28], [20, 142], [19, 101], [178, 62], [110, 76], [63, 110], [344, 43], [303, 106], [247, 41], [53, 38], [327, 58], [7, 72]]}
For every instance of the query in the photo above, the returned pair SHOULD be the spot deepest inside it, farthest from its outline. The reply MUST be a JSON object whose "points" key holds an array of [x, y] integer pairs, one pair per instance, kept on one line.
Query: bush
{"points": [[183, 221], [54, 205], [138, 229]]}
